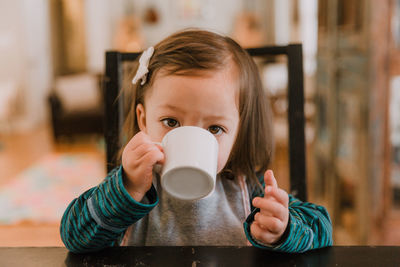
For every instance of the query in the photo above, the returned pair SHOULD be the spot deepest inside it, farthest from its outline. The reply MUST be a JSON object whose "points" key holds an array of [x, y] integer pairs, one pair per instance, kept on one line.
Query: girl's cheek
{"points": [[157, 133], [223, 155]]}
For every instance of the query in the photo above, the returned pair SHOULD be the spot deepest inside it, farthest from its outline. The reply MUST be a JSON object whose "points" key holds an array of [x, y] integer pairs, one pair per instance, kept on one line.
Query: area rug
{"points": [[42, 192]]}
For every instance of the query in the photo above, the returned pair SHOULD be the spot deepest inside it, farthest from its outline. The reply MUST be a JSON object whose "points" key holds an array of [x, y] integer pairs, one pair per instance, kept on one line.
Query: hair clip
{"points": [[142, 71]]}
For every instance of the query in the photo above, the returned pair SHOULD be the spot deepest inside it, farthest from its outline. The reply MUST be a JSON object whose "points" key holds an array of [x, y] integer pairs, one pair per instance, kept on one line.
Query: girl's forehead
{"points": [[210, 86], [222, 77]]}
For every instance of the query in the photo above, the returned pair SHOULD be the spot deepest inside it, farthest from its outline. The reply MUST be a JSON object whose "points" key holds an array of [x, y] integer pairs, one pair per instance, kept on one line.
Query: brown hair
{"points": [[188, 51]]}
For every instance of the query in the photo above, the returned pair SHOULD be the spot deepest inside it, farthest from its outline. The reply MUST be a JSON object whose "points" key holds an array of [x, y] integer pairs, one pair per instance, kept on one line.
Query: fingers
{"points": [[140, 155], [269, 223], [159, 146], [281, 196], [273, 191], [269, 179], [153, 156], [148, 148], [262, 235], [146, 157], [140, 146], [278, 195], [270, 207], [138, 140]]}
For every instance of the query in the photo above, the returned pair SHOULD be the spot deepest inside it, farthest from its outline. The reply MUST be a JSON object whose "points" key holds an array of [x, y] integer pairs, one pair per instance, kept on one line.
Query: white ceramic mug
{"points": [[190, 167]]}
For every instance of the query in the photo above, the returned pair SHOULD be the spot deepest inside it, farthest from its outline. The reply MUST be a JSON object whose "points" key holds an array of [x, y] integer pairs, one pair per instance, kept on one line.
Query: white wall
{"points": [[102, 17], [309, 34], [11, 49], [38, 61], [394, 111], [213, 15], [282, 22], [98, 33], [25, 57]]}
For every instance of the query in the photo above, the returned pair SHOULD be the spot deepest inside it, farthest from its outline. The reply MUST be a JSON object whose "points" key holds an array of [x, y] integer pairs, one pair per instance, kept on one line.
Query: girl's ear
{"points": [[141, 117]]}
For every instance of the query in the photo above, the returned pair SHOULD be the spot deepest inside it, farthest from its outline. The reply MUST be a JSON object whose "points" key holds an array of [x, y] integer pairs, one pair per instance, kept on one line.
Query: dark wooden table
{"points": [[200, 256]]}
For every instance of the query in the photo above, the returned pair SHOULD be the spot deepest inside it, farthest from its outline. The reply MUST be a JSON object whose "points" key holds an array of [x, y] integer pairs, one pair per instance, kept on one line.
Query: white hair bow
{"points": [[142, 71]]}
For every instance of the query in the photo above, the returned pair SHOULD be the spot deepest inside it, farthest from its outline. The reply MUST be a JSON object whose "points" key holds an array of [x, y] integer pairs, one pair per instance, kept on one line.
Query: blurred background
{"points": [[52, 55]]}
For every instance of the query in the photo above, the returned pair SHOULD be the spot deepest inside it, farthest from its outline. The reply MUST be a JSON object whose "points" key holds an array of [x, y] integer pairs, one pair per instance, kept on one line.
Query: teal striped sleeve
{"points": [[309, 228], [99, 217]]}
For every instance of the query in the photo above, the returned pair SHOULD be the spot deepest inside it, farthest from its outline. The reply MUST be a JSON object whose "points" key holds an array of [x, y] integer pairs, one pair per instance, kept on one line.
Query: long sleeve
{"points": [[309, 225], [99, 217], [309, 228]]}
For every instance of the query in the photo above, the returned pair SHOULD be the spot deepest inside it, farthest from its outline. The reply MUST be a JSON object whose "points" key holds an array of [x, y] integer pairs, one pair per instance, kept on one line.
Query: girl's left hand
{"points": [[270, 223]]}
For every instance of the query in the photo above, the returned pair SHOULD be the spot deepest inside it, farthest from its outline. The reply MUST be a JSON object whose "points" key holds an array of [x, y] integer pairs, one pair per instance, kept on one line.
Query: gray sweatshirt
{"points": [[215, 220]]}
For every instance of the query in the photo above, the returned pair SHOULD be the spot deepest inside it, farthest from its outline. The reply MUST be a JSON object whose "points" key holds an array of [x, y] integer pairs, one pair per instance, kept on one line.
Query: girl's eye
{"points": [[171, 123], [216, 130]]}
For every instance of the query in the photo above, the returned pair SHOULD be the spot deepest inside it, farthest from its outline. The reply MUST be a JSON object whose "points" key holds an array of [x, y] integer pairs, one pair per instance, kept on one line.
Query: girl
{"points": [[201, 79]]}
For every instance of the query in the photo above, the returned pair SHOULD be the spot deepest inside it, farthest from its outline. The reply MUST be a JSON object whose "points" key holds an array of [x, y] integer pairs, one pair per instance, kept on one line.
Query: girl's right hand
{"points": [[138, 159]]}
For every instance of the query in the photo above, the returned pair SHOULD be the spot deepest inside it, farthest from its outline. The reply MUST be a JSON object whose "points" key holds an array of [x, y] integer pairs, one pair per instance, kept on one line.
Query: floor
{"points": [[19, 151]]}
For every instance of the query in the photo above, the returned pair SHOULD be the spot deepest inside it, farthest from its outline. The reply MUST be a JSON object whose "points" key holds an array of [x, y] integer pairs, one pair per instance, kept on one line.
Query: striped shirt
{"points": [[100, 217]]}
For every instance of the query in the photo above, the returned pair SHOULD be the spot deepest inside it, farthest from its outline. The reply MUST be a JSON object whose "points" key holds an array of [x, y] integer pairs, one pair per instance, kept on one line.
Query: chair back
{"points": [[115, 111]]}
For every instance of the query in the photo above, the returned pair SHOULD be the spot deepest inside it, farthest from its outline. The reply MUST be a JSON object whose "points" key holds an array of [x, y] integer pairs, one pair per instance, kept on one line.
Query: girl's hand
{"points": [[138, 159], [271, 222]]}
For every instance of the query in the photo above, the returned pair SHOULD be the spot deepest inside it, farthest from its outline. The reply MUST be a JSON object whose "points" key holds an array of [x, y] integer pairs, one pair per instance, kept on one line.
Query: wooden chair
{"points": [[114, 108]]}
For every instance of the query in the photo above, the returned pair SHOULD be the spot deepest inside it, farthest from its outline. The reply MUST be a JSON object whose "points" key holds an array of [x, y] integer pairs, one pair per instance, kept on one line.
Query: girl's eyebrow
{"points": [[169, 106], [218, 118], [173, 108], [211, 117]]}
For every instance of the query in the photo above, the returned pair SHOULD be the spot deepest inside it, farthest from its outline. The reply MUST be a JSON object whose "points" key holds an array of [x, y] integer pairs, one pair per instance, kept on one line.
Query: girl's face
{"points": [[208, 100]]}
